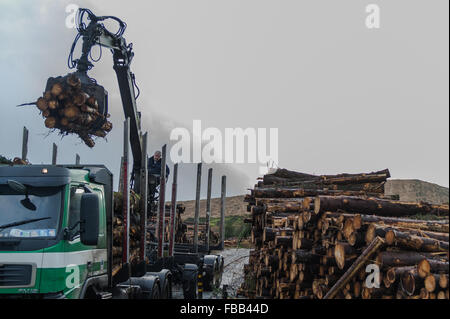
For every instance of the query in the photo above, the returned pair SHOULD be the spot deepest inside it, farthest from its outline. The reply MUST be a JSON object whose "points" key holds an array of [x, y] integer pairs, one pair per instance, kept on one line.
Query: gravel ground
{"points": [[233, 273]]}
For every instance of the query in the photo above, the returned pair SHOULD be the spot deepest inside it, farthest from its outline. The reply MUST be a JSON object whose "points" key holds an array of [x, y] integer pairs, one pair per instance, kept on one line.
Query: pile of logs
{"points": [[339, 236], [135, 229], [118, 228], [69, 109], [15, 161], [180, 226]]}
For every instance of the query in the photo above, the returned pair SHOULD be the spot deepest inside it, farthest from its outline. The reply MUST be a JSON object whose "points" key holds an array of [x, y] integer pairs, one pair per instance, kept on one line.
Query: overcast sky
{"points": [[345, 98]]}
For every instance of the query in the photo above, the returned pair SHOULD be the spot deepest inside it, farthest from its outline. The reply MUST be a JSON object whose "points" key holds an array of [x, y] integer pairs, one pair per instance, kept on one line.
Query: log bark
{"points": [[441, 226], [305, 256], [382, 230], [375, 206], [293, 192], [283, 175], [416, 243], [285, 241], [388, 259]]}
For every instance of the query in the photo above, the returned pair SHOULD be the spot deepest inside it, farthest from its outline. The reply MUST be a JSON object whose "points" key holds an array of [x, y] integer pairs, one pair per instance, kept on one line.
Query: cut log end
{"points": [[57, 89], [423, 268], [430, 283]]}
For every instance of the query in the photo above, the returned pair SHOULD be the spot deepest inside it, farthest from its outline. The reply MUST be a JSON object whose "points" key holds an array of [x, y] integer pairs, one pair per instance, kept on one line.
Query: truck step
{"points": [[104, 295]]}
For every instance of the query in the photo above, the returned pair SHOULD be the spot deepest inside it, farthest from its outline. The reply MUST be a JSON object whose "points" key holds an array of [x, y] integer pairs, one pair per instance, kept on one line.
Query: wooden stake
{"points": [[25, 144], [357, 265], [197, 206]]}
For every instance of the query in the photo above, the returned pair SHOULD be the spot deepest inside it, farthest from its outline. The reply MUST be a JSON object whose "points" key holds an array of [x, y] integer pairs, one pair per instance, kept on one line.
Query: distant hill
{"points": [[414, 190], [410, 190], [235, 205]]}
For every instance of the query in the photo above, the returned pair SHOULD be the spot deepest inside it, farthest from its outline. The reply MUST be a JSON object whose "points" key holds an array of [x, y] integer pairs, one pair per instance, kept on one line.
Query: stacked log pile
{"points": [[214, 237], [180, 226], [15, 161], [118, 228], [329, 237], [135, 228], [70, 110]]}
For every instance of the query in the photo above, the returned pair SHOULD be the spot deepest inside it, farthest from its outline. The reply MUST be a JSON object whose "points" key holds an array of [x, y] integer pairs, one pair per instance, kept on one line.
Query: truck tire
{"points": [[219, 273], [190, 277], [166, 291], [165, 283], [210, 267], [155, 292]]}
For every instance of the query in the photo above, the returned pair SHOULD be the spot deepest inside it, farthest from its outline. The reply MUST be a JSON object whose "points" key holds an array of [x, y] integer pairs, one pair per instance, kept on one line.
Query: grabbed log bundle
{"points": [[69, 108]]}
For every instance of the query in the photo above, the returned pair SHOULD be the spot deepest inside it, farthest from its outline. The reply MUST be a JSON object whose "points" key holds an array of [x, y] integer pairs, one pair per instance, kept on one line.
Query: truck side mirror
{"points": [[89, 219]]}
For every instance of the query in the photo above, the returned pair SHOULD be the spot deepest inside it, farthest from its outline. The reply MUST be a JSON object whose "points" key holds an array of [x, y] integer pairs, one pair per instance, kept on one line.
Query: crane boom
{"points": [[95, 33]]}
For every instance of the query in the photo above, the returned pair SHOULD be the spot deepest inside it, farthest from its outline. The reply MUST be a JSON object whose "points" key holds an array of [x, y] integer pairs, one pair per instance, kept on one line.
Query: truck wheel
{"points": [[190, 292], [190, 278], [155, 292], [166, 289], [165, 283], [219, 273], [211, 267]]}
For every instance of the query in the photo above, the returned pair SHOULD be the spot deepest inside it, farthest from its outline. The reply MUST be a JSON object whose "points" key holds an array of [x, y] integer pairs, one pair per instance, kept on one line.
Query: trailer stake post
{"points": [[197, 206], [222, 211], [144, 194], [162, 208], [54, 154], [173, 208], [208, 209], [25, 144]]}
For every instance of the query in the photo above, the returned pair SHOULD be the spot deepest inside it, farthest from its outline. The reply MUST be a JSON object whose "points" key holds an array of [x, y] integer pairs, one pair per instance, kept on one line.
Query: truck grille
{"points": [[12, 275]]}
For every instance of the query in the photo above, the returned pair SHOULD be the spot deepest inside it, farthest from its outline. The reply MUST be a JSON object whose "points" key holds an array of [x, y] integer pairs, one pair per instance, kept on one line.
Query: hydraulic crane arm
{"points": [[95, 33]]}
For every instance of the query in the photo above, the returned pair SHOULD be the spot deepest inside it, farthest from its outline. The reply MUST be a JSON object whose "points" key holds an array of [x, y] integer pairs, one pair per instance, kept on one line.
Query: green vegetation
{"points": [[234, 226]]}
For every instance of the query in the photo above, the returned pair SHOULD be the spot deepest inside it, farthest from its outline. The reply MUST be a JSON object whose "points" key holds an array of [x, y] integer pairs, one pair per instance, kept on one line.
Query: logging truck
{"points": [[56, 236], [56, 221]]}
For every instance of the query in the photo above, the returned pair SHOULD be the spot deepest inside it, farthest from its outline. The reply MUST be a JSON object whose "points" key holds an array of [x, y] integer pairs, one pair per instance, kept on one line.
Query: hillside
{"points": [[413, 190], [235, 205], [409, 190]]}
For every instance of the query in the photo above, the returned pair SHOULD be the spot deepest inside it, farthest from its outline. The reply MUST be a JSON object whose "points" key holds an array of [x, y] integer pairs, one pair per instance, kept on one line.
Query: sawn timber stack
{"points": [[320, 237]]}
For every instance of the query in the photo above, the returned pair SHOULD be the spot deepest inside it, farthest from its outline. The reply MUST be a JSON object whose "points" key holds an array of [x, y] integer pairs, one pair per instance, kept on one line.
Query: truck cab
{"points": [[56, 233]]}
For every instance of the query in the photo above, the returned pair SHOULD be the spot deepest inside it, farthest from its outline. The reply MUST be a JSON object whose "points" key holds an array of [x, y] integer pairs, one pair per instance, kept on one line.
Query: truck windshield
{"points": [[18, 221]]}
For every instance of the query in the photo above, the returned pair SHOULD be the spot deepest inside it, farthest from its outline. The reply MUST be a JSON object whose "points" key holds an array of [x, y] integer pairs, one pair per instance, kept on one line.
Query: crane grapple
{"points": [[75, 104]]}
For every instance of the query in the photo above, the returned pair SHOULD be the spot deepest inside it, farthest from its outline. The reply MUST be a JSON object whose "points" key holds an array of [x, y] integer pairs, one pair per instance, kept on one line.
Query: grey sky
{"points": [[345, 98]]}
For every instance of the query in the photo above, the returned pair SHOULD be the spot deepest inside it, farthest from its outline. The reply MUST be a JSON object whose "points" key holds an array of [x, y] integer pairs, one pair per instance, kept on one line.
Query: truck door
{"points": [[78, 257], [99, 254]]}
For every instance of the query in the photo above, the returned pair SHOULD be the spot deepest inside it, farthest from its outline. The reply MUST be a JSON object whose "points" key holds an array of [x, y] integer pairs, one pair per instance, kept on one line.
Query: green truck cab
{"points": [[56, 235]]}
